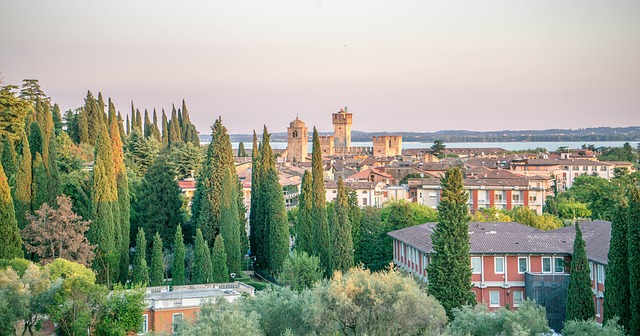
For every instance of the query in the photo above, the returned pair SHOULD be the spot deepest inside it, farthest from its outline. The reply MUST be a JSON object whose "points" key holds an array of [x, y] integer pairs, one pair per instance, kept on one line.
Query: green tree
{"points": [[222, 318], [341, 231], [319, 208], [301, 271], [529, 319], [83, 127], [616, 297], [156, 276], [165, 130], [202, 270], [177, 268], [449, 270], [241, 151], [280, 310], [147, 125], [256, 215], [219, 261], [175, 135], [229, 225], [9, 160], [122, 312], [579, 297], [398, 215], [304, 234], [35, 139], [592, 328], [437, 147], [38, 183], [22, 199], [375, 250], [10, 240], [140, 153], [140, 269], [13, 111], [633, 256]]}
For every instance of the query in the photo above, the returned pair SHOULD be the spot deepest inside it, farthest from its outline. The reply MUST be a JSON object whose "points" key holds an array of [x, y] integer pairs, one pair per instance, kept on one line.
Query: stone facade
{"points": [[342, 122], [297, 141], [387, 145]]}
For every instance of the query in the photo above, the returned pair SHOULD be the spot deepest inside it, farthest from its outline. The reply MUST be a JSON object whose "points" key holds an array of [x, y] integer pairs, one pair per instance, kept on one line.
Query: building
{"points": [[387, 145], [508, 258], [342, 122], [166, 308], [368, 193], [297, 141]]}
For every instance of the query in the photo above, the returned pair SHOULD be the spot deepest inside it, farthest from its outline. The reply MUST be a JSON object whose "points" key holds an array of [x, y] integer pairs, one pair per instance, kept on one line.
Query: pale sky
{"points": [[398, 65]]}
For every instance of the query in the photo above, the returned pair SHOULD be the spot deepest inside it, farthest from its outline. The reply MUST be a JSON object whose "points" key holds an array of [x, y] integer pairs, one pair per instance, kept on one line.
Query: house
{"points": [[372, 175], [368, 193], [166, 308], [187, 187], [512, 261]]}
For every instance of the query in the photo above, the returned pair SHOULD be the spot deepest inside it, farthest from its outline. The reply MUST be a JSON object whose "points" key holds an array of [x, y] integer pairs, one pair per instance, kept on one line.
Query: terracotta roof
{"points": [[364, 174], [351, 184], [187, 184]]}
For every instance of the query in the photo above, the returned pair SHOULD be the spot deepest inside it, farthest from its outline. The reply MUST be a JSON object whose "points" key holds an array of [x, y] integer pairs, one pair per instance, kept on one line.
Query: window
{"points": [[591, 270], [598, 307], [546, 265], [176, 322], [585, 168], [558, 265], [144, 327], [364, 192], [499, 264], [402, 250], [515, 198], [518, 298], [522, 265], [594, 168], [603, 168], [364, 201], [601, 274], [498, 197], [476, 265], [494, 298], [533, 199]]}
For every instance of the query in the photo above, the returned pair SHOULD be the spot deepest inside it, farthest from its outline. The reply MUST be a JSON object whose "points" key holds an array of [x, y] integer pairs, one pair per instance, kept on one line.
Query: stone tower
{"points": [[342, 128], [297, 141], [387, 145]]}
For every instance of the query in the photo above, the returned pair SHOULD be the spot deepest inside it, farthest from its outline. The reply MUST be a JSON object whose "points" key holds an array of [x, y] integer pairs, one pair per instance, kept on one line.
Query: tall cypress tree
{"points": [[156, 276], [616, 297], [174, 128], [178, 276], [256, 222], [147, 124], [155, 131], [54, 185], [104, 209], [138, 123], [38, 183], [94, 119], [241, 151], [449, 270], [304, 233], [120, 126], [57, 119], [229, 225], [202, 270], [10, 240], [22, 200], [633, 255], [128, 126], [579, 295], [45, 121], [322, 241], [219, 261], [140, 269], [165, 130], [341, 232], [35, 139], [83, 127], [9, 160]]}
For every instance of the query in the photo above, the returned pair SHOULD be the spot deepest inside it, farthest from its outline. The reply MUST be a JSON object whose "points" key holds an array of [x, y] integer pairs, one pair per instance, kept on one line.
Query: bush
{"points": [[530, 319], [592, 328], [257, 285]]}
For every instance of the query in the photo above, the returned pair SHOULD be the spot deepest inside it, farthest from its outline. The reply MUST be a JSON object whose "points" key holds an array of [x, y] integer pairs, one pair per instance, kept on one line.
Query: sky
{"points": [[398, 65]]}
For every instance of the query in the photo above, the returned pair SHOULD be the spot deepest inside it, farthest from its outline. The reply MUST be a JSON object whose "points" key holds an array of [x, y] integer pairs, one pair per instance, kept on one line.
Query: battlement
{"points": [[387, 145], [342, 118]]}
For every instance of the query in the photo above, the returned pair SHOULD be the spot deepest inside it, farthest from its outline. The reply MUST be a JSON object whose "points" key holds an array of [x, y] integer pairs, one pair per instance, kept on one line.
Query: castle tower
{"points": [[297, 141], [387, 145], [342, 128]]}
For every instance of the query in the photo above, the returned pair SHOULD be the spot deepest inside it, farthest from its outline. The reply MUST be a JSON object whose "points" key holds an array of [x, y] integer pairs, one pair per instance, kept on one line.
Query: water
{"points": [[511, 146]]}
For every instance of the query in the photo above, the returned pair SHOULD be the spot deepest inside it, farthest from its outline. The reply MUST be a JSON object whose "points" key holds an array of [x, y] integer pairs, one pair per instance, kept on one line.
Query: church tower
{"points": [[342, 128], [297, 141]]}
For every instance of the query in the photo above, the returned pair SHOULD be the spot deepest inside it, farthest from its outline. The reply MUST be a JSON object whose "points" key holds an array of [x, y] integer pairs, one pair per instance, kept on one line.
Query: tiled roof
{"points": [[364, 174], [596, 235], [351, 184]]}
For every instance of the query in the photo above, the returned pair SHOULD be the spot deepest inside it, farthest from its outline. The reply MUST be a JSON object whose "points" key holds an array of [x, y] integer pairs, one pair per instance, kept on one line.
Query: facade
{"points": [[368, 193], [503, 254], [387, 145], [297, 141], [342, 122], [327, 145]]}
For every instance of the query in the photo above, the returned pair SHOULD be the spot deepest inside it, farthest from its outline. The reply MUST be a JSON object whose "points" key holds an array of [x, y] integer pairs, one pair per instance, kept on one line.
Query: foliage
{"points": [[320, 225], [122, 312], [633, 237], [156, 274], [68, 154], [229, 225], [572, 210], [449, 270], [529, 217], [221, 319], [9, 160], [303, 231], [14, 301], [13, 111], [219, 262], [301, 271], [279, 309], [140, 152], [438, 146], [10, 240], [241, 151], [375, 250], [185, 159], [592, 328], [202, 270], [22, 191], [342, 241], [38, 183], [58, 233], [579, 295], [77, 185], [140, 269], [624, 153], [178, 276], [616, 297], [529, 319]]}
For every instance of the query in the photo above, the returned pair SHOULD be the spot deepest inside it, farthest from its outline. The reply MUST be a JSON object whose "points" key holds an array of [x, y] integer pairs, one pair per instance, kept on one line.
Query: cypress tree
{"points": [[147, 124], [128, 126], [38, 183], [83, 127], [177, 268], [22, 200], [341, 233], [45, 121], [35, 139], [155, 131], [449, 270], [57, 119], [616, 297], [123, 220], [579, 295], [229, 225], [121, 127], [133, 117], [219, 257], [320, 226], [255, 215], [156, 277], [10, 240], [94, 119], [633, 255], [138, 123], [104, 209], [241, 151], [174, 128], [202, 270], [140, 269], [54, 185], [9, 160], [102, 117], [165, 130], [304, 233]]}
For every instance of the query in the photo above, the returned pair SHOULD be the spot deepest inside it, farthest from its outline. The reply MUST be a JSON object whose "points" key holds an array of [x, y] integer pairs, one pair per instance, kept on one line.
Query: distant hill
{"points": [[581, 134]]}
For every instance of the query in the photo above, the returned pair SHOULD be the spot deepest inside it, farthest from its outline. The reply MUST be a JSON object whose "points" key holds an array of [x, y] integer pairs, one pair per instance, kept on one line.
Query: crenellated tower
{"points": [[342, 122]]}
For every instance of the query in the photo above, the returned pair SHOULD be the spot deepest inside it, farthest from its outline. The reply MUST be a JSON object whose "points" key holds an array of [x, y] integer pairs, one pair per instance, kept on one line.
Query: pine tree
{"points": [[202, 270], [241, 151], [22, 199], [156, 276], [9, 160], [633, 255], [449, 270], [177, 268], [219, 261], [304, 233], [256, 235], [579, 295], [38, 183], [320, 226], [616, 297], [341, 232], [229, 225], [104, 210], [10, 240], [165, 130], [140, 269]]}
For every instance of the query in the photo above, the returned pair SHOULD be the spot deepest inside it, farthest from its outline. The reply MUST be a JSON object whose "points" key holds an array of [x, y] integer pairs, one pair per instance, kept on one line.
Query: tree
{"points": [[219, 261], [156, 276], [202, 271], [14, 301], [165, 130], [185, 159], [35, 139], [140, 269], [304, 234], [22, 199], [449, 270], [31, 90], [241, 151], [437, 147], [616, 297], [229, 225], [341, 231], [140, 153], [375, 250], [301, 271], [282, 311], [592, 328], [10, 240], [579, 296], [320, 226], [58, 233], [9, 160], [175, 135], [633, 256], [256, 214], [529, 319], [13, 111], [38, 183], [177, 268], [147, 125], [222, 318], [398, 215], [122, 312]]}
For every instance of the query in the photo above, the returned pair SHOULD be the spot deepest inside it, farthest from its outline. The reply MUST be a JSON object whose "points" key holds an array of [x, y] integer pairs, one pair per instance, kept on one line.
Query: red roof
{"points": [[187, 184]]}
